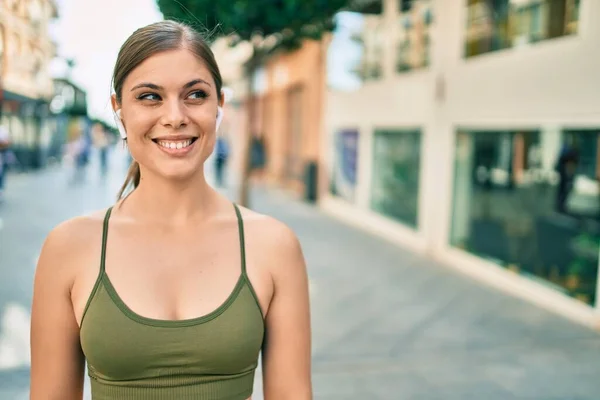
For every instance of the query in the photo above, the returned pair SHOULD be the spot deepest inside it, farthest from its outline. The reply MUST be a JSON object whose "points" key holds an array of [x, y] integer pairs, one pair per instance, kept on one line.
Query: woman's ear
{"points": [[117, 116], [114, 103], [222, 99], [219, 117]]}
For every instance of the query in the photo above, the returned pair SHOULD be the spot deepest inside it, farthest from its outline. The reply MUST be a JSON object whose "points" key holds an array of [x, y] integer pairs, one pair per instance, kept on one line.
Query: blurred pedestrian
{"points": [[77, 151], [258, 157], [101, 143], [566, 167], [189, 287], [221, 157], [4, 149]]}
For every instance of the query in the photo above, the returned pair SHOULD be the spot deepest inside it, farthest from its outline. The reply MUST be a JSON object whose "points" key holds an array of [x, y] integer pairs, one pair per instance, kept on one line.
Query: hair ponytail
{"points": [[133, 179]]}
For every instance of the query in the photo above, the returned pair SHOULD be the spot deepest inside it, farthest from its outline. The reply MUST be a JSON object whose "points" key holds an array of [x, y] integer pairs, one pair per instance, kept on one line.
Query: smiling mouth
{"points": [[175, 144]]}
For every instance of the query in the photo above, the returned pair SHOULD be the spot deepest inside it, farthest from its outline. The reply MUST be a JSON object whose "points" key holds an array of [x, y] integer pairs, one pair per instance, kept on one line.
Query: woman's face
{"points": [[169, 109]]}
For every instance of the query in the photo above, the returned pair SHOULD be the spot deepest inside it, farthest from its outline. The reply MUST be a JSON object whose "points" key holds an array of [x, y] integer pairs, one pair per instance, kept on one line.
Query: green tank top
{"points": [[212, 357]]}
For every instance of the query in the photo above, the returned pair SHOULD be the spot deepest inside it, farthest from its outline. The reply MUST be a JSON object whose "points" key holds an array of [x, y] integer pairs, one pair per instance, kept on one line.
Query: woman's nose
{"points": [[174, 114]]}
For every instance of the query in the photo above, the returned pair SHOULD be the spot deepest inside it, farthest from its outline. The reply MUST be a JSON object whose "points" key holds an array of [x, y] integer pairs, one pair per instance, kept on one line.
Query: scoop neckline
{"points": [[170, 323]]}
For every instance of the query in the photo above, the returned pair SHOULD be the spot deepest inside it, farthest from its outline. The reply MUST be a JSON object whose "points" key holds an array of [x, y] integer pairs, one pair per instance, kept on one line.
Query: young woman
{"points": [[174, 291]]}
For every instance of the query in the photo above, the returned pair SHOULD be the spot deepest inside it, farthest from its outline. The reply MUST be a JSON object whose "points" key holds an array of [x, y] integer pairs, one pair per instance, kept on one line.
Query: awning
{"points": [[12, 96], [24, 105]]}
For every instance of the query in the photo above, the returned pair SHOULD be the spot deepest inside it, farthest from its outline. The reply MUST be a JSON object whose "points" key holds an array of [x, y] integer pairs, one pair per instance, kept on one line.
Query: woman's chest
{"points": [[120, 344]]}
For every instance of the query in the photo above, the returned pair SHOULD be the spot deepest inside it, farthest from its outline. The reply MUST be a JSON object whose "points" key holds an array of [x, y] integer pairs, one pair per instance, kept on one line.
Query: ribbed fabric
{"points": [[212, 357], [239, 388]]}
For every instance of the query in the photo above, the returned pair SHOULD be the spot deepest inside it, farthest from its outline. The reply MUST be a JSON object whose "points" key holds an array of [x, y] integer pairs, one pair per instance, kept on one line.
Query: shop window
{"points": [[395, 178], [413, 41], [345, 164], [499, 24], [530, 201]]}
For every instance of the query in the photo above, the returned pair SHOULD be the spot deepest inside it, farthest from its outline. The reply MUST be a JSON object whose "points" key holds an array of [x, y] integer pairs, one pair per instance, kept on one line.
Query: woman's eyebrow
{"points": [[157, 87], [146, 85], [194, 82]]}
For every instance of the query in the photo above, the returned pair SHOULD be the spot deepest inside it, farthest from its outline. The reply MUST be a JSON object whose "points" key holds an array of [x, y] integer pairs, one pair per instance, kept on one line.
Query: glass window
{"points": [[530, 201], [498, 24], [345, 165], [395, 180], [355, 53], [372, 40], [413, 43]]}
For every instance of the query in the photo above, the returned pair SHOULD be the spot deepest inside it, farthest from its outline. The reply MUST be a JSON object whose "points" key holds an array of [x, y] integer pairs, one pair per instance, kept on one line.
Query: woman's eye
{"points": [[199, 94], [149, 96]]}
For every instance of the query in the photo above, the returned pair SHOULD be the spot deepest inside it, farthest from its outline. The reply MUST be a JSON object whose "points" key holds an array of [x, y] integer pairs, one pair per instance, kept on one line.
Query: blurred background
{"points": [[438, 159]]}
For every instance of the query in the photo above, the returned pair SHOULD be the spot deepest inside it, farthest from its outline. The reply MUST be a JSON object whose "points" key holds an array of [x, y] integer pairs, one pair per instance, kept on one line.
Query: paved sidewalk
{"points": [[387, 324]]}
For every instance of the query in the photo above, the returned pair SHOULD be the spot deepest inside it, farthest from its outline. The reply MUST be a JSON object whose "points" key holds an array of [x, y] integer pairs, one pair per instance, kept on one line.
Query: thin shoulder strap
{"points": [[242, 241], [104, 238], [101, 272]]}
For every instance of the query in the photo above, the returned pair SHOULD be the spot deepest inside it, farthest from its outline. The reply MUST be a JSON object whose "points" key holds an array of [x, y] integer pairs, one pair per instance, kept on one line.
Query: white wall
{"points": [[547, 85], [393, 101]]}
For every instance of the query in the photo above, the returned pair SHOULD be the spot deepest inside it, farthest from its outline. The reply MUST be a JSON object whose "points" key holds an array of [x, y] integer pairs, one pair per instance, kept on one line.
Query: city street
{"points": [[387, 324]]}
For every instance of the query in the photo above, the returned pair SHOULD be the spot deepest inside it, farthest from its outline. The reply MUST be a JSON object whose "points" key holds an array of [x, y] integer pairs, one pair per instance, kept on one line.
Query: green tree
{"points": [[288, 21]]}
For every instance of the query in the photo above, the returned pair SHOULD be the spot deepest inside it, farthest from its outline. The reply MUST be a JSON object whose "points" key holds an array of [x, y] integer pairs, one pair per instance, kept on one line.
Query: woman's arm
{"points": [[57, 362], [287, 348]]}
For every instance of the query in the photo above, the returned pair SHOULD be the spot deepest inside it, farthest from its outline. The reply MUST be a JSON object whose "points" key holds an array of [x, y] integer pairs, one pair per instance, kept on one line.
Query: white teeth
{"points": [[169, 144]]}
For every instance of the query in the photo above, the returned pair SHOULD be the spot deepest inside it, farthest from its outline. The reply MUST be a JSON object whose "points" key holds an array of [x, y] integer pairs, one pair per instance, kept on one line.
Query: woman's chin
{"points": [[180, 173]]}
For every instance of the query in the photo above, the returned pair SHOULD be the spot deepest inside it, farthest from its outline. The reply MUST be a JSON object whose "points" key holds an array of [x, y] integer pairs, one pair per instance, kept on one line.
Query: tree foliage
{"points": [[291, 20]]}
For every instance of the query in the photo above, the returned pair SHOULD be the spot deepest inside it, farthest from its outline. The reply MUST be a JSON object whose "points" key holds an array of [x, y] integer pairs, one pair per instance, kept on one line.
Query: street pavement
{"points": [[387, 323]]}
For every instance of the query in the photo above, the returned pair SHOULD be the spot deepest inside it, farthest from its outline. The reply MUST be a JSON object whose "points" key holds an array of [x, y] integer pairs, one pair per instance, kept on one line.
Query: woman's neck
{"points": [[171, 201]]}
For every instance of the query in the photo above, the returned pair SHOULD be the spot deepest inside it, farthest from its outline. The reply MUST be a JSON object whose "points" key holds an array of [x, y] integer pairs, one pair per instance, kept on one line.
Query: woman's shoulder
{"points": [[274, 238], [70, 241], [269, 227], [77, 229]]}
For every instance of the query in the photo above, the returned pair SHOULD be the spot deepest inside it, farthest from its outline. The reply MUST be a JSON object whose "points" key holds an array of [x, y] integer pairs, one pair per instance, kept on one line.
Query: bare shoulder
{"points": [[75, 231], [274, 239], [69, 242], [268, 230]]}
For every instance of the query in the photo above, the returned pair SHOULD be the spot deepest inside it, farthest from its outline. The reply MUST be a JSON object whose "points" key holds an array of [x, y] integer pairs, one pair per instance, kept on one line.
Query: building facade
{"points": [[470, 131], [291, 104], [288, 91], [26, 51]]}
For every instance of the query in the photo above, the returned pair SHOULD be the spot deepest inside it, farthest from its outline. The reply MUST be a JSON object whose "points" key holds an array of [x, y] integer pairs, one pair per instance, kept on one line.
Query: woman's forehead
{"points": [[170, 68]]}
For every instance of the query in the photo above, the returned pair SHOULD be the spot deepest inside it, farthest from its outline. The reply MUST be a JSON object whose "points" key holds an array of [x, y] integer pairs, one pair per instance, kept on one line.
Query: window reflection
{"points": [[371, 39], [413, 41], [499, 24], [345, 164], [530, 201], [345, 53], [355, 53], [395, 178]]}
